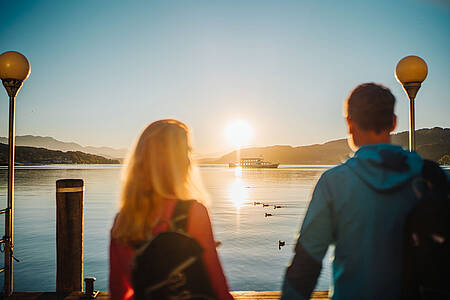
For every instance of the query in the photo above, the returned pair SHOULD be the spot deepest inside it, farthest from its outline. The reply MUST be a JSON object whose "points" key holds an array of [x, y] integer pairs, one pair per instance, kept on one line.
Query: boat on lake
{"points": [[253, 163]]}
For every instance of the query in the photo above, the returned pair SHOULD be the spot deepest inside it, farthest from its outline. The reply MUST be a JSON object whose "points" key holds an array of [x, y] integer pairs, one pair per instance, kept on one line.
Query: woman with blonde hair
{"points": [[158, 174]]}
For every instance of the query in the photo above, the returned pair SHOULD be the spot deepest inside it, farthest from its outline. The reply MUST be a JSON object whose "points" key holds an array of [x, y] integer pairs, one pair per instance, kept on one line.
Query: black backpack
{"points": [[170, 264], [427, 237]]}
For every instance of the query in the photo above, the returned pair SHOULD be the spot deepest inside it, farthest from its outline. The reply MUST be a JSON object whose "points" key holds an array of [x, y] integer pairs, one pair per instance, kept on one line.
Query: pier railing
{"points": [[3, 240]]}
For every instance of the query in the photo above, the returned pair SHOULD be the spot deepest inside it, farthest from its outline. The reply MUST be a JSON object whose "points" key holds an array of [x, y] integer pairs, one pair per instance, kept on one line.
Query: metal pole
{"points": [[412, 138], [411, 89], [8, 284], [12, 86]]}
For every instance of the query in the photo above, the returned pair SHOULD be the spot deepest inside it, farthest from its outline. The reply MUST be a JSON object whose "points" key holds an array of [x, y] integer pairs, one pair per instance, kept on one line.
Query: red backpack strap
{"points": [[180, 214]]}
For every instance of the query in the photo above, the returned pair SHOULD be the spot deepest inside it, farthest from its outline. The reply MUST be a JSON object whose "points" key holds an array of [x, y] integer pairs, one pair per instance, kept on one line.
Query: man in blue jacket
{"points": [[359, 207]]}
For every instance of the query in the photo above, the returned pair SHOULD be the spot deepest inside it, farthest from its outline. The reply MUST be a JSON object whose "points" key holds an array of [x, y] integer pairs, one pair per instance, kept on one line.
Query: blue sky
{"points": [[101, 70]]}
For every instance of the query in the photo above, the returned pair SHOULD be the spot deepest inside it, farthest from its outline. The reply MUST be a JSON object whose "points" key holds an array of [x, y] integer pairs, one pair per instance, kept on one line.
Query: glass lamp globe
{"points": [[411, 69], [14, 65]]}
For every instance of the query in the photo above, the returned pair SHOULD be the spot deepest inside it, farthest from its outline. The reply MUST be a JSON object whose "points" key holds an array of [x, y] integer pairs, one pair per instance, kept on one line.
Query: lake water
{"points": [[249, 251]]}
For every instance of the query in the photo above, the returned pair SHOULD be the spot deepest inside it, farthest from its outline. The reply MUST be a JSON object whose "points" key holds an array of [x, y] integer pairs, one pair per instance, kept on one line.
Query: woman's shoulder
{"points": [[197, 209], [113, 229], [197, 204], [198, 216]]}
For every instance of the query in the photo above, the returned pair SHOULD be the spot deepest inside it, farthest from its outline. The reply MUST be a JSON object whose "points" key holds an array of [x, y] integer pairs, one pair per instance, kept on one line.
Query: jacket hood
{"points": [[384, 166]]}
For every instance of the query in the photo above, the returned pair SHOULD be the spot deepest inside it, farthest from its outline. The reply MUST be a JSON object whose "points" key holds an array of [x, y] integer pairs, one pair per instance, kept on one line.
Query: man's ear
{"points": [[350, 125], [394, 123]]}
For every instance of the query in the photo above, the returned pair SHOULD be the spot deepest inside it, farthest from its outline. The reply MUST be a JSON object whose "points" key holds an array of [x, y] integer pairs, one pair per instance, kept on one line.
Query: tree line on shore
{"points": [[32, 156]]}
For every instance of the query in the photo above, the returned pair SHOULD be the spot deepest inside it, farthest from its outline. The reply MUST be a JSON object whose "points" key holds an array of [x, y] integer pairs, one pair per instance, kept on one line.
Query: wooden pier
{"points": [[238, 295]]}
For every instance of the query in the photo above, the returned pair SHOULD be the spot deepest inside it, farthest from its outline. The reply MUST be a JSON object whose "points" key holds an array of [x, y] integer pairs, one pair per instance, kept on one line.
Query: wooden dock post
{"points": [[69, 235]]}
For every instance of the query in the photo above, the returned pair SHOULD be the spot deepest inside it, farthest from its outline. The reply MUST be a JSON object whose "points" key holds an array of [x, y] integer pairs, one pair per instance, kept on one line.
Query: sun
{"points": [[239, 133]]}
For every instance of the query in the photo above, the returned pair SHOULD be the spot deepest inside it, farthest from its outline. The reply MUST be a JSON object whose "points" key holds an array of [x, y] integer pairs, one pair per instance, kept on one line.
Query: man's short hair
{"points": [[371, 107]]}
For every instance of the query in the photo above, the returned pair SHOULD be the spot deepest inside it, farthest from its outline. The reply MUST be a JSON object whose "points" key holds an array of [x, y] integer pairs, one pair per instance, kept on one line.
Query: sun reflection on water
{"points": [[238, 193], [238, 172]]}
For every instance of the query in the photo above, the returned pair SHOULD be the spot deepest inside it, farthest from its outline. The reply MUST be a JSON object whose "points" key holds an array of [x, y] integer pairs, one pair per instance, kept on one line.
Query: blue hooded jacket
{"points": [[359, 207]]}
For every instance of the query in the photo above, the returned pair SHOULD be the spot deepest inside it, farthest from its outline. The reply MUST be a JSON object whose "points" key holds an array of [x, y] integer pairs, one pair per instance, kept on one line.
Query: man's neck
{"points": [[371, 138]]}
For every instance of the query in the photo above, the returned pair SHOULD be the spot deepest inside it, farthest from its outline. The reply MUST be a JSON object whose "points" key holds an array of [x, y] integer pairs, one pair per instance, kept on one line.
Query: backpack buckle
{"points": [[176, 281]]}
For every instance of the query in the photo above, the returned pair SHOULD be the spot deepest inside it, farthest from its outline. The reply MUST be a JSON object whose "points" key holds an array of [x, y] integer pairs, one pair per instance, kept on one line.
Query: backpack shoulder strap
{"points": [[180, 214]]}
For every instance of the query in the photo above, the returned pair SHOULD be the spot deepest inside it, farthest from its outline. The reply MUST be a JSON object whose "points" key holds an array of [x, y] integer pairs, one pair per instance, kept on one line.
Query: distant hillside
{"points": [[53, 144], [430, 143], [32, 155]]}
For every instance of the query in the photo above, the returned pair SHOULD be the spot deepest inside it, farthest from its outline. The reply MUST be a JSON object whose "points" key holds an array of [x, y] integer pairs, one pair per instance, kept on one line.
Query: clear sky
{"points": [[101, 70]]}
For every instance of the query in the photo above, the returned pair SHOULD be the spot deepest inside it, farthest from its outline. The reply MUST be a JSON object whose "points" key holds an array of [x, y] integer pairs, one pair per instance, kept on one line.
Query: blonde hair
{"points": [[159, 168]]}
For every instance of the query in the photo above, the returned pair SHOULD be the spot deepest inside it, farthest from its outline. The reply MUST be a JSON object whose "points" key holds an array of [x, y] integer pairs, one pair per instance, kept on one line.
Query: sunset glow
{"points": [[306, 122]]}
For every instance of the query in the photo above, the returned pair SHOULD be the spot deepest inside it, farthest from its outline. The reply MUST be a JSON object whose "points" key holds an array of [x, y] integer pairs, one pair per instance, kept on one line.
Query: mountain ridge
{"points": [[431, 143]]}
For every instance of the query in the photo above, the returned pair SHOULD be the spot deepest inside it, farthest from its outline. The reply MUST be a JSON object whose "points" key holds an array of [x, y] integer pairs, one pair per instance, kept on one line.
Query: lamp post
{"points": [[411, 71], [14, 70]]}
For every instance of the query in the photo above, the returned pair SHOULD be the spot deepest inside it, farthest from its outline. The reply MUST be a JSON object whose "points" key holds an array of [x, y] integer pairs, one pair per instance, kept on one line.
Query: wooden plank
{"points": [[269, 295], [32, 296], [238, 295]]}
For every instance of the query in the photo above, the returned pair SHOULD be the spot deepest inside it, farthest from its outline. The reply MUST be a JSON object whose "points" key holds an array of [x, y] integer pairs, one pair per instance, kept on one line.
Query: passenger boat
{"points": [[250, 163]]}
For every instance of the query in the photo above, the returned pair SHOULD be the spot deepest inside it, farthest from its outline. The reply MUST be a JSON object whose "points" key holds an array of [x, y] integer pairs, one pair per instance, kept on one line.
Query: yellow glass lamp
{"points": [[14, 70], [411, 71]]}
